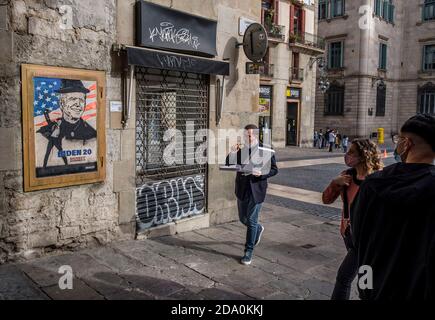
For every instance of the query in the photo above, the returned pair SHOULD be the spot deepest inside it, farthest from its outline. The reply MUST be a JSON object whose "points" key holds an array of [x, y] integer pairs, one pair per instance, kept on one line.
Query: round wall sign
{"points": [[255, 42]]}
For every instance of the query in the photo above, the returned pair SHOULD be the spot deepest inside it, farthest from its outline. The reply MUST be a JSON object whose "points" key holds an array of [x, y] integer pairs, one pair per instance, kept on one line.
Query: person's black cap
{"points": [[422, 125], [69, 86]]}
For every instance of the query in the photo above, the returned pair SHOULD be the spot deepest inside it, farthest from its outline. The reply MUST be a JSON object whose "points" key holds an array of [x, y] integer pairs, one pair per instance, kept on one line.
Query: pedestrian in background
{"points": [[331, 140], [321, 139], [315, 138], [338, 140], [327, 132], [393, 219], [345, 143], [363, 158]]}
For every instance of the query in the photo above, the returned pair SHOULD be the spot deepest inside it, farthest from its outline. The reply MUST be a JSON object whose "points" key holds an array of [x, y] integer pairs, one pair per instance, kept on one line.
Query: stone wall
{"points": [[51, 221], [417, 33], [40, 222]]}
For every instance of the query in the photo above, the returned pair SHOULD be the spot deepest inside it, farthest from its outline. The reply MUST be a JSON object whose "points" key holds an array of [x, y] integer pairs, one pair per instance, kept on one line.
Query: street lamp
{"points": [[323, 83]]}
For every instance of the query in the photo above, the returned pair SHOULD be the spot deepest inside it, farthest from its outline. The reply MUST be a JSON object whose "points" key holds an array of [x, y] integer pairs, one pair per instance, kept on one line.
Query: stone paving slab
{"points": [[80, 291], [297, 259], [15, 284]]}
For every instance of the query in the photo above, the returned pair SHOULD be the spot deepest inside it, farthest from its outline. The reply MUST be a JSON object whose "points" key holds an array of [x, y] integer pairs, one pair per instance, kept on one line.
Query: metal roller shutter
{"points": [[170, 185]]}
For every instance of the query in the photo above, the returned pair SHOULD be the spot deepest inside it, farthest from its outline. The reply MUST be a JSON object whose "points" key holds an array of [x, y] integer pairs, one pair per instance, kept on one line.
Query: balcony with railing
{"points": [[303, 2], [308, 41], [266, 70], [275, 32], [296, 74]]}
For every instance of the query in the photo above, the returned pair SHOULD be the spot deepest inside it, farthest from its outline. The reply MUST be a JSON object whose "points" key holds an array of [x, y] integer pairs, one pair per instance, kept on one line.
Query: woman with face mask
{"points": [[363, 158]]}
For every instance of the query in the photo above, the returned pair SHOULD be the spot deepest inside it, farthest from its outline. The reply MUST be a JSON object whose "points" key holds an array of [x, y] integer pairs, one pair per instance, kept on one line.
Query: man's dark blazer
{"points": [[80, 130], [258, 185], [71, 131]]}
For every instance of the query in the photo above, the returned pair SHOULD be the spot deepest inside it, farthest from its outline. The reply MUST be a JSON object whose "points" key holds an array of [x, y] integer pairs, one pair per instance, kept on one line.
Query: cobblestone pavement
{"points": [[296, 153], [297, 259], [309, 177]]}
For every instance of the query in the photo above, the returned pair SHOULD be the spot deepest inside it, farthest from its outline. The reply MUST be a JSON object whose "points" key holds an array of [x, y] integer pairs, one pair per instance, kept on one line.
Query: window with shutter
{"points": [[385, 10], [267, 15], [292, 21], [426, 97], [337, 8], [276, 8], [378, 7], [383, 56], [429, 57], [323, 9], [381, 98], [429, 10], [334, 100], [335, 55], [391, 13]]}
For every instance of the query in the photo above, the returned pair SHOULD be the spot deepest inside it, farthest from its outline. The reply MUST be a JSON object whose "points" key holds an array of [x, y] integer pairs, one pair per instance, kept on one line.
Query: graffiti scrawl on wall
{"points": [[169, 200]]}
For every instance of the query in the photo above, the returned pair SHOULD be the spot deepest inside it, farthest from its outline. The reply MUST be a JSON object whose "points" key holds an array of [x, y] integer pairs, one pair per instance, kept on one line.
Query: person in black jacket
{"points": [[393, 220], [257, 165], [52, 132]]}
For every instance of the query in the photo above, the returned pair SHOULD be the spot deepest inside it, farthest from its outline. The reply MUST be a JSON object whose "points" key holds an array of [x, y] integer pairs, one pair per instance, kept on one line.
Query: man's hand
{"points": [[256, 173], [343, 180], [235, 148]]}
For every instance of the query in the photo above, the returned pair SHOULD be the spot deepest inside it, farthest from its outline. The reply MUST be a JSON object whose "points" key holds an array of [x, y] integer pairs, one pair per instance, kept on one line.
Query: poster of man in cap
{"points": [[65, 122]]}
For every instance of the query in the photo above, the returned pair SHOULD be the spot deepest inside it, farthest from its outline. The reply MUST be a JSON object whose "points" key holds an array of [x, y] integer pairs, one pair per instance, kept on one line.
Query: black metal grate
{"points": [[170, 182]]}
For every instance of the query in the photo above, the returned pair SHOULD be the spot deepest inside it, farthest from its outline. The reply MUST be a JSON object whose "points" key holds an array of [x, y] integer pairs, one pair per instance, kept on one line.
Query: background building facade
{"points": [[288, 80], [380, 64]]}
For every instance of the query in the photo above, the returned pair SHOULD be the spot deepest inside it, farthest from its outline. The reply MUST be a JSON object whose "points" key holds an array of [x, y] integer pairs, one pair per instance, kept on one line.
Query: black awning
{"points": [[174, 61], [163, 28]]}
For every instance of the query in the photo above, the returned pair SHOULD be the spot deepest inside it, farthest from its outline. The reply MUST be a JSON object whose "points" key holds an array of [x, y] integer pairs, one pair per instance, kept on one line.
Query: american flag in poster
{"points": [[46, 97]]}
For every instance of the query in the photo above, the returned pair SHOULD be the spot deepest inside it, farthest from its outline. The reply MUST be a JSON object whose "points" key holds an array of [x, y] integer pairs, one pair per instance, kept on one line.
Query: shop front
{"points": [[107, 143], [172, 81], [293, 116], [264, 111]]}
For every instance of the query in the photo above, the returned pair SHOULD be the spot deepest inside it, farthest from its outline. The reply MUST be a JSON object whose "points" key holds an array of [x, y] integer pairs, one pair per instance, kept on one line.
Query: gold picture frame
{"points": [[64, 139]]}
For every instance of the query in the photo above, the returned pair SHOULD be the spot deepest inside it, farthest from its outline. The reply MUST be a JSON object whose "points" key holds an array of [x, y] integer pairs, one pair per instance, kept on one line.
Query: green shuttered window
{"points": [[335, 55], [383, 56]]}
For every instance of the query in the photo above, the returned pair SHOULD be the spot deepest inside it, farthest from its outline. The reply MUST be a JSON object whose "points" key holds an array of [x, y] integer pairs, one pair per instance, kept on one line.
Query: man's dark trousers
{"points": [[249, 212]]}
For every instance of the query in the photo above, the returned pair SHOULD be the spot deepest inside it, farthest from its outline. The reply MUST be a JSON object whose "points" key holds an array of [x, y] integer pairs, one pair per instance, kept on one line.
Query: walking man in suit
{"points": [[257, 164]]}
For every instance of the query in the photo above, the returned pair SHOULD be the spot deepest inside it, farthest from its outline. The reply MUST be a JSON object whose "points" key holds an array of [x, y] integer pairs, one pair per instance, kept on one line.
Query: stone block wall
{"points": [[36, 223], [51, 221]]}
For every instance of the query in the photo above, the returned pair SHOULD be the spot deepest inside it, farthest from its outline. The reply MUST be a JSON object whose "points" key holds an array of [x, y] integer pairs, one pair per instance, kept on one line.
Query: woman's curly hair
{"points": [[370, 154]]}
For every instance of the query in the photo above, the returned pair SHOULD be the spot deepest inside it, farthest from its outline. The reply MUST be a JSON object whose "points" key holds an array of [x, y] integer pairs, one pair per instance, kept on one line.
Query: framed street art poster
{"points": [[63, 126]]}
